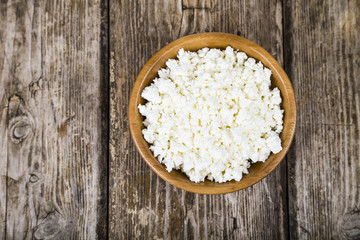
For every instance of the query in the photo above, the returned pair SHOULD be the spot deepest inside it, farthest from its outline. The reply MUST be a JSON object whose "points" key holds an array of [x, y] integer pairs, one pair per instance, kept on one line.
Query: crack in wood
{"points": [[34, 86], [195, 8]]}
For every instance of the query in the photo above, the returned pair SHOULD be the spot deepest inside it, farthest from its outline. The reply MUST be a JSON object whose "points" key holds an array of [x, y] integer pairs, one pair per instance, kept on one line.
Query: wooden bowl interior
{"points": [[279, 79]]}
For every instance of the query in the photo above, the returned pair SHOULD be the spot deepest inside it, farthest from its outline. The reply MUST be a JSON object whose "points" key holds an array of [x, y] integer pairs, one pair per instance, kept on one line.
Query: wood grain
{"points": [[53, 149], [54, 117], [144, 206], [322, 56]]}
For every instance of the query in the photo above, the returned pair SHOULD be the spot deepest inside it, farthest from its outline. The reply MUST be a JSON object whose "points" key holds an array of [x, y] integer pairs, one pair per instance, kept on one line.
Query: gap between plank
{"points": [[286, 158]]}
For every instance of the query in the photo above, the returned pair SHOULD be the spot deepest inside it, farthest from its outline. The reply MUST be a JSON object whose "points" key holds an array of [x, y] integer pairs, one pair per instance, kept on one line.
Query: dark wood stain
{"points": [[63, 128]]}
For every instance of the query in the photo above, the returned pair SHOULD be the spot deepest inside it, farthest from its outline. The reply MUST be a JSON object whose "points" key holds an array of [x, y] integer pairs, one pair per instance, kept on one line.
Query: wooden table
{"points": [[69, 169]]}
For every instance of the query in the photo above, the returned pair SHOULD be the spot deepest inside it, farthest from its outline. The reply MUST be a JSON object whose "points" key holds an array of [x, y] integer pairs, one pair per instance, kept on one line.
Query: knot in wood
{"points": [[350, 226], [54, 226], [21, 122], [33, 178], [20, 129]]}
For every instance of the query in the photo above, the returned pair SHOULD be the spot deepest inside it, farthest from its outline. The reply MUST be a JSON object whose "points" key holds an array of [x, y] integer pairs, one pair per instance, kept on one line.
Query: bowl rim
{"points": [[139, 140]]}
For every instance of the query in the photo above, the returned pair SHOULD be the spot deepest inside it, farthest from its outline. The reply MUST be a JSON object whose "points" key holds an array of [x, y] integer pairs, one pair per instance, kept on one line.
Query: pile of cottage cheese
{"points": [[212, 112]]}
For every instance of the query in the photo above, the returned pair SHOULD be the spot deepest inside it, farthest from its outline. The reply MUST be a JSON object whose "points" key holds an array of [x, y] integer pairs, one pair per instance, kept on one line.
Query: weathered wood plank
{"points": [[141, 204], [53, 149], [322, 56]]}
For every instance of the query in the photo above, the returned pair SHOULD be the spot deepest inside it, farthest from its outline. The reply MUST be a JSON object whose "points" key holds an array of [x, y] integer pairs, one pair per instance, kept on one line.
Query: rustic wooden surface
{"points": [[53, 147], [68, 168], [322, 57]]}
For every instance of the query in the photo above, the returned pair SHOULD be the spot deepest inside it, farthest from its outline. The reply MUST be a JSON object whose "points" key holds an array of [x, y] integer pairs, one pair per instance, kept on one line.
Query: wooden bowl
{"points": [[195, 42]]}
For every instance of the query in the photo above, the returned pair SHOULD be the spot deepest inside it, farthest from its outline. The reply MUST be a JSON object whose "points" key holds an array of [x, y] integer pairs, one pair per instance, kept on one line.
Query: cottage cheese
{"points": [[210, 113]]}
